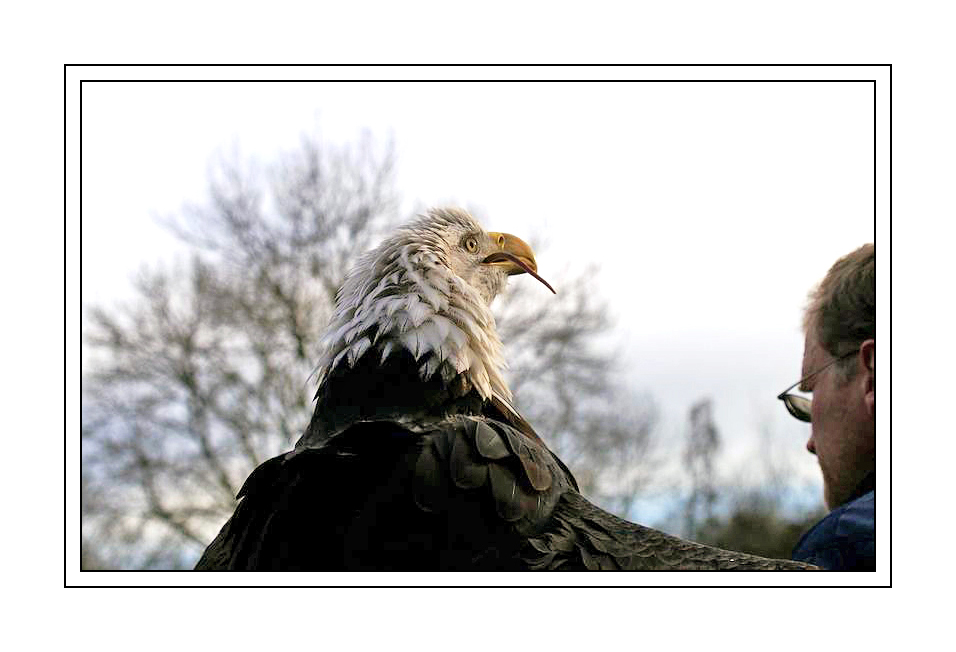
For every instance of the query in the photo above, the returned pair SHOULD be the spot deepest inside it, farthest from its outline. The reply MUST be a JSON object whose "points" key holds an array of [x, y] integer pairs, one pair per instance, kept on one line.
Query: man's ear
{"points": [[868, 364]]}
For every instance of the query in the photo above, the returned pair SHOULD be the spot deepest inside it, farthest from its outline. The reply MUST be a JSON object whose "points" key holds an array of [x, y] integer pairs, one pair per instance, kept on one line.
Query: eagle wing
{"points": [[464, 493]]}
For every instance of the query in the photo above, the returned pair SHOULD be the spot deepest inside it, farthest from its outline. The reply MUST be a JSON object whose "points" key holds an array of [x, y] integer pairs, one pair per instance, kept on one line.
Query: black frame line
{"points": [[449, 65], [480, 65]]}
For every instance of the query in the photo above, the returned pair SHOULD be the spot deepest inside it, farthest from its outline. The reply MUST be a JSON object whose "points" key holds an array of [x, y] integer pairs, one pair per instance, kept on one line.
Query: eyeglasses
{"points": [[799, 406]]}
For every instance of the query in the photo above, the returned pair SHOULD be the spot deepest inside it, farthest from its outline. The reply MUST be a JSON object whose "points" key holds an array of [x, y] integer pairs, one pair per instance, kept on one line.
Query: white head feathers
{"points": [[425, 290]]}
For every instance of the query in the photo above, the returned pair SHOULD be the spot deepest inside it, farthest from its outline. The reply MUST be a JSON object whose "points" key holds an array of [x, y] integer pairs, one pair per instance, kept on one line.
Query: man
{"points": [[839, 368]]}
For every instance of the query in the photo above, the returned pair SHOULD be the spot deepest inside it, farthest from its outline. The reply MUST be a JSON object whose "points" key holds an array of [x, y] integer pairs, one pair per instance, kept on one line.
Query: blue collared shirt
{"points": [[845, 539]]}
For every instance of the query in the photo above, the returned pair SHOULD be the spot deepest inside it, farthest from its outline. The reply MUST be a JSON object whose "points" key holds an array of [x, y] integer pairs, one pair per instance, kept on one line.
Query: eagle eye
{"points": [[471, 244]]}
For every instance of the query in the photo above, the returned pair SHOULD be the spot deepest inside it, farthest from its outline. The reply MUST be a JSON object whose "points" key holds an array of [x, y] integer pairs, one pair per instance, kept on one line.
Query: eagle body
{"points": [[415, 458]]}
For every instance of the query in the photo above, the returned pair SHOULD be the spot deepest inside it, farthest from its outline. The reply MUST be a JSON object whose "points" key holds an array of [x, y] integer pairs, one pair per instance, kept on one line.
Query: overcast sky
{"points": [[712, 208]]}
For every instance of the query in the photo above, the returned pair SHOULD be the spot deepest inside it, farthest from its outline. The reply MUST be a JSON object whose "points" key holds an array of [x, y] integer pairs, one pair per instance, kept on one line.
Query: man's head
{"points": [[840, 324]]}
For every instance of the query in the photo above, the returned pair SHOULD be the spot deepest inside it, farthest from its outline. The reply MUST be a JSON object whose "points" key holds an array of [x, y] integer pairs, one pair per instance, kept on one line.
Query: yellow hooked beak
{"points": [[511, 244], [514, 255]]}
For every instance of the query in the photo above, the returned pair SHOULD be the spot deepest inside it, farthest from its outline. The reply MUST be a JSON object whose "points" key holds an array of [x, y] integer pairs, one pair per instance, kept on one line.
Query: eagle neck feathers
{"points": [[403, 297]]}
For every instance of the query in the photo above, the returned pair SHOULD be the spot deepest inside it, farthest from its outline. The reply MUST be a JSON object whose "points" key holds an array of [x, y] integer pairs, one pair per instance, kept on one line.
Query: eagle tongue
{"points": [[504, 255]]}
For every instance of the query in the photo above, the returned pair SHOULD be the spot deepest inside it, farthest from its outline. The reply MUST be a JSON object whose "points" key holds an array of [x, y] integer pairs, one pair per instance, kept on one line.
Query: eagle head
{"points": [[427, 290]]}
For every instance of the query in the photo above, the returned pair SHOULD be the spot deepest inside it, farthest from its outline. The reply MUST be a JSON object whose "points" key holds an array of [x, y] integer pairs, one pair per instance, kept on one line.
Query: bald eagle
{"points": [[415, 457]]}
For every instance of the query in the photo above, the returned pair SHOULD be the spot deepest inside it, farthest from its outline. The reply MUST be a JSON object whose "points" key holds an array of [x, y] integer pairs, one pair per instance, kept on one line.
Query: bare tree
{"points": [[205, 375], [566, 381], [703, 442], [761, 509]]}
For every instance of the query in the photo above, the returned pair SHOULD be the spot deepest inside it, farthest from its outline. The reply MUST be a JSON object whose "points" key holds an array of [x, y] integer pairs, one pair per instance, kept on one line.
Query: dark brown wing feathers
{"points": [[471, 493]]}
